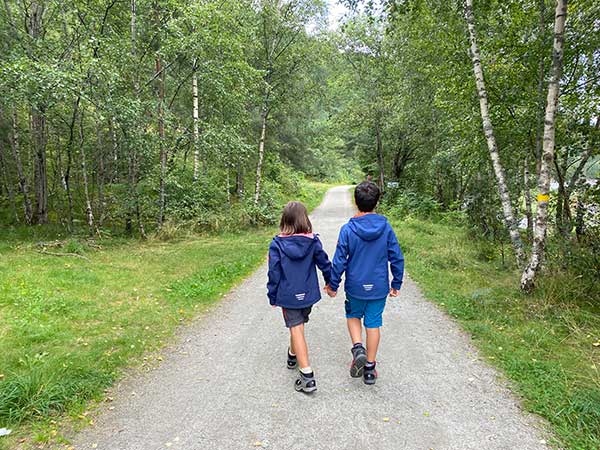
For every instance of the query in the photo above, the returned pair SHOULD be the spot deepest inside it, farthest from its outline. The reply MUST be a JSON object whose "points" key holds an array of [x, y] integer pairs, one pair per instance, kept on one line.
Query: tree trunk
{"points": [[195, 119], [539, 239], [580, 214], [540, 92], [88, 204], [527, 194], [132, 200], [161, 137], [38, 128], [23, 186], [38, 125], [261, 153], [488, 130], [115, 149], [239, 181], [228, 187], [380, 162], [101, 174]]}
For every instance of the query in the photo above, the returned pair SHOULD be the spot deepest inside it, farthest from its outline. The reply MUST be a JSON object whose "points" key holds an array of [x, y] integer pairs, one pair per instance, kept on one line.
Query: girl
{"points": [[293, 283]]}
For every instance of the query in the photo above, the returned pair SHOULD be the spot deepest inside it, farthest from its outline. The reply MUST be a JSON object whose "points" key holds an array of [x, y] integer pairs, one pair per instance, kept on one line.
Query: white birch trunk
{"points": [[488, 129], [195, 119], [261, 153], [541, 224], [380, 162], [88, 203]]}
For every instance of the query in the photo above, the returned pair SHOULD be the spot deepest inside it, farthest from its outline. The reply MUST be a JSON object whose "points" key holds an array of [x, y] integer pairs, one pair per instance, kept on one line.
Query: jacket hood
{"points": [[368, 227], [295, 247]]}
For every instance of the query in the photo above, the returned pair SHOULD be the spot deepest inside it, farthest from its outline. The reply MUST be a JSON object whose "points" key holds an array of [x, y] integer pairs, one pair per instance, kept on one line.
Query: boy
{"points": [[366, 245]]}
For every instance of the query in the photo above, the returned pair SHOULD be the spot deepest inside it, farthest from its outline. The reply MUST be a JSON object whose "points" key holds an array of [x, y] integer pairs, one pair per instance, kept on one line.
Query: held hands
{"points": [[332, 293], [329, 291]]}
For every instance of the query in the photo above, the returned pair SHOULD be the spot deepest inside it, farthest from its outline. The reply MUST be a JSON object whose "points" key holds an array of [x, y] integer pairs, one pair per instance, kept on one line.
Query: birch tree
{"points": [[488, 129], [541, 221]]}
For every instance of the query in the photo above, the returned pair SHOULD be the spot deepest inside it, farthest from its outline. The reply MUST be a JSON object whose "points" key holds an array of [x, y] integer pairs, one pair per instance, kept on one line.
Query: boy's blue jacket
{"points": [[365, 246], [292, 274]]}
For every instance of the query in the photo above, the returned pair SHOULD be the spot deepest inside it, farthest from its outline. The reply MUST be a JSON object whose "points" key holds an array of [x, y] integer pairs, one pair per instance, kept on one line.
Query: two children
{"points": [[366, 245]]}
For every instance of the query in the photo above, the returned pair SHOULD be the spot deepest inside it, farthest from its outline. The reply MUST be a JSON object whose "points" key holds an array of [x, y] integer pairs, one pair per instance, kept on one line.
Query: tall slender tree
{"points": [[541, 221], [488, 129]]}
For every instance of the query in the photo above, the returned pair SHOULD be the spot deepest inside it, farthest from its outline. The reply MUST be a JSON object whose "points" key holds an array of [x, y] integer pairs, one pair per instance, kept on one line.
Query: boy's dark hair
{"points": [[366, 196], [294, 219]]}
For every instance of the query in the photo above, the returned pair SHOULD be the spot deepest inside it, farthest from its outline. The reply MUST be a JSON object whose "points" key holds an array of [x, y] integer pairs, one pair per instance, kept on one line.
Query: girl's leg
{"points": [[355, 329], [299, 346], [373, 336]]}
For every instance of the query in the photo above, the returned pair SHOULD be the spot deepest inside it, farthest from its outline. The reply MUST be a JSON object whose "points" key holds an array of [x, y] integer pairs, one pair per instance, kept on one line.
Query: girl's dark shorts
{"points": [[295, 317]]}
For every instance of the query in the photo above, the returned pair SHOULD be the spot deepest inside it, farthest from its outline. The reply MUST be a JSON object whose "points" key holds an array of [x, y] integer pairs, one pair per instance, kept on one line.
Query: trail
{"points": [[225, 385]]}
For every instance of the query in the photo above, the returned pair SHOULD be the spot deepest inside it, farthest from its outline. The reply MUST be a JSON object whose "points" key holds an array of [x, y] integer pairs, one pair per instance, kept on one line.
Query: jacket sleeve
{"points": [[322, 261], [395, 258], [340, 260], [274, 274]]}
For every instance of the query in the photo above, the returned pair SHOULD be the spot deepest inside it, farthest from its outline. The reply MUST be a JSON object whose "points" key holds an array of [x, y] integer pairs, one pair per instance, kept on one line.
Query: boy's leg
{"points": [[355, 330], [373, 322], [299, 346], [373, 337], [355, 310]]}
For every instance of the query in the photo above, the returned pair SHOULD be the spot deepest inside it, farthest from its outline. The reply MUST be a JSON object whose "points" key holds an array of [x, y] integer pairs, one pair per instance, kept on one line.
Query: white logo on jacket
{"points": [[367, 287], [300, 297]]}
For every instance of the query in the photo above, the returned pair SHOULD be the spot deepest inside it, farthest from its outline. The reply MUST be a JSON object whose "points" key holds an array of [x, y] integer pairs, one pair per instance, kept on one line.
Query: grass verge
{"points": [[70, 324], [547, 344]]}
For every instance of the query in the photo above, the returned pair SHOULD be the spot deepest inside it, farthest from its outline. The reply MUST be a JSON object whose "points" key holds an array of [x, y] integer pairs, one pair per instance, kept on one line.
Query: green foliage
{"points": [[399, 203]]}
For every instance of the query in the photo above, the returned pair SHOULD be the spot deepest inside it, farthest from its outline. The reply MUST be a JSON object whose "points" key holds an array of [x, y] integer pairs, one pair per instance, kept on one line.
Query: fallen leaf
{"points": [[258, 444], [426, 413], [596, 344]]}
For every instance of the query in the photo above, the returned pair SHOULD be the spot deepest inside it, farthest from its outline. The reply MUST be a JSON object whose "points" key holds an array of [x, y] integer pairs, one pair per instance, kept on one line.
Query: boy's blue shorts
{"points": [[370, 310]]}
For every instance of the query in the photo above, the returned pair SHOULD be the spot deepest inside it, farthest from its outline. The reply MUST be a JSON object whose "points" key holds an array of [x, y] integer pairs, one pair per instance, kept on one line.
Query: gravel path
{"points": [[225, 385]]}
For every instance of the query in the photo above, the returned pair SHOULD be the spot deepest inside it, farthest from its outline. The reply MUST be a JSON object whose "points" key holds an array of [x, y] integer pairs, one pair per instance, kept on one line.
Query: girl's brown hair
{"points": [[294, 219]]}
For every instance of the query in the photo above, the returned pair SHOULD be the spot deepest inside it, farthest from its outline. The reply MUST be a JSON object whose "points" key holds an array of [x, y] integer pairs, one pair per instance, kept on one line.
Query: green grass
{"points": [[70, 325], [544, 343]]}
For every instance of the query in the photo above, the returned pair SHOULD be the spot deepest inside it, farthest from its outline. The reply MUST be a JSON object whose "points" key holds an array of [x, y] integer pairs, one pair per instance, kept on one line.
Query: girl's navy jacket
{"points": [[292, 274]]}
